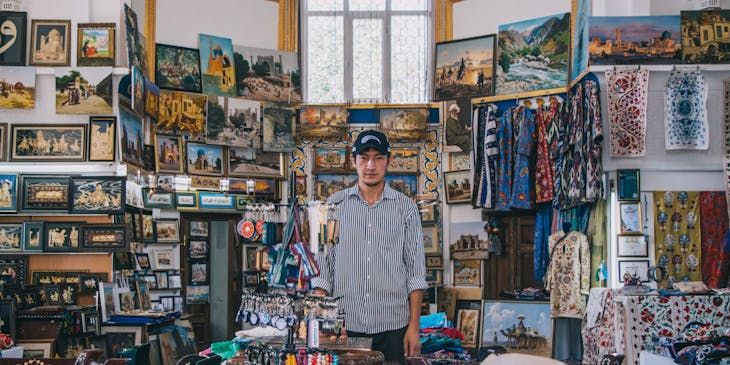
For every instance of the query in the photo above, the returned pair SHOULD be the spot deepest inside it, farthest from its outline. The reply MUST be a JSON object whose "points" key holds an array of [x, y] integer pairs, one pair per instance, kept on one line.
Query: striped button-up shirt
{"points": [[378, 261]]}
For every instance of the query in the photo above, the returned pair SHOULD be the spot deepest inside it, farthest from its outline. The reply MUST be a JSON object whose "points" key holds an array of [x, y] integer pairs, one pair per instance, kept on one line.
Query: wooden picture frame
{"points": [[3, 135], [628, 185], [405, 160], [404, 183], [95, 195], [632, 245], [175, 68], [459, 161], [434, 277], [148, 228], [468, 321], [323, 121], [143, 260], [57, 277], [165, 182], [467, 272], [204, 159], [161, 277], [102, 139], [167, 230], [434, 261], [458, 186], [247, 162], [32, 142], [266, 189], [209, 183], [251, 278], [481, 51], [143, 296], [186, 200], [638, 267], [69, 293], [15, 54], [429, 212], [37, 348], [33, 235], [403, 123], [431, 239], [62, 237], [211, 200], [198, 271], [89, 283], [123, 260], [43, 193], [330, 159], [96, 44], [158, 199], [50, 42], [630, 217], [104, 237], [174, 281], [169, 152], [11, 235], [163, 259], [132, 135]]}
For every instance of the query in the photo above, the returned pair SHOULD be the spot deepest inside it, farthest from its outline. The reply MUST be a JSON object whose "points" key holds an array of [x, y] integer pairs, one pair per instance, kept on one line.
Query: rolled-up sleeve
{"points": [[326, 262], [413, 256]]}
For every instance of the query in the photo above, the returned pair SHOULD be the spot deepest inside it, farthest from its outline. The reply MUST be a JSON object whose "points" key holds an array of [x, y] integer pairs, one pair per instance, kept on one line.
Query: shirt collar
{"points": [[388, 192]]}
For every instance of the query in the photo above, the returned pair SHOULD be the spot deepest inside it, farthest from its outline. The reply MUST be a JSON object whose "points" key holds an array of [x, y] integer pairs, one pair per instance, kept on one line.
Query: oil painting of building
{"points": [[622, 40], [404, 123], [182, 113], [706, 36], [83, 90], [216, 64], [267, 75], [323, 121]]}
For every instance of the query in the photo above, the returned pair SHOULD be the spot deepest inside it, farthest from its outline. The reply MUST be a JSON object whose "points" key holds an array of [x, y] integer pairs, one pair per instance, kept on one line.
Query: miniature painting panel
{"points": [[167, 231], [328, 122], [211, 200], [17, 87], [459, 161], [104, 237], [328, 184], [164, 260], [634, 40], [518, 326], [279, 128], [132, 138], [467, 322], [204, 159], [50, 43], [33, 235], [431, 241], [533, 54], [84, 90], [102, 138], [98, 195], [266, 189], [467, 272], [39, 142], [168, 154], [639, 268], [198, 249], [246, 162], [267, 74], [186, 200], [217, 66], [464, 68], [205, 182], [404, 160], [151, 99], [406, 184], [13, 38], [467, 236], [197, 294], [704, 36], [182, 114], [10, 235], [45, 193], [330, 159], [198, 271], [62, 236], [404, 124], [458, 186], [8, 193], [234, 122], [177, 68], [581, 10], [95, 44]]}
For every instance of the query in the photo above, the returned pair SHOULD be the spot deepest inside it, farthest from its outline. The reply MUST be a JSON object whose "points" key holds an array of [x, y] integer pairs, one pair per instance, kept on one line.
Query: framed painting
{"points": [[251, 278], [62, 237], [198, 271], [217, 66], [467, 272], [150, 279], [429, 212], [639, 268], [197, 294], [110, 301], [629, 185], [137, 91], [167, 302], [143, 260], [403, 123], [169, 153], [459, 161], [57, 277], [204, 159], [132, 138], [165, 182], [163, 259], [167, 230], [198, 182], [21, 80], [52, 294], [404, 160], [661, 34], [123, 260], [630, 217], [266, 189], [10, 237], [89, 283], [504, 323], [186, 200], [268, 82], [249, 257], [434, 277], [162, 279], [246, 162], [328, 184], [279, 128], [133, 335], [3, 140], [330, 159], [135, 44], [37, 348], [434, 261], [233, 122], [103, 237], [16, 267], [431, 240], [50, 42], [143, 296], [8, 193], [69, 293], [632, 245], [468, 315], [464, 68], [148, 228], [239, 186], [177, 68], [546, 67], [95, 44], [701, 43], [13, 38], [151, 99], [211, 200], [174, 281], [102, 138], [199, 228], [404, 183], [457, 125], [45, 192], [158, 198], [48, 142], [458, 186], [33, 235], [83, 90], [97, 195], [323, 122], [173, 120], [581, 10]]}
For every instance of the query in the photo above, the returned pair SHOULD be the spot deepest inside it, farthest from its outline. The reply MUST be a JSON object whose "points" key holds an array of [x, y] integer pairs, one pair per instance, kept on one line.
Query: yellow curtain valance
{"points": [[444, 22], [288, 24]]}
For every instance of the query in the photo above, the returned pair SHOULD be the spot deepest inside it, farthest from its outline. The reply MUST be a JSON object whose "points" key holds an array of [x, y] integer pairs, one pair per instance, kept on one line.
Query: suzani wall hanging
{"points": [[677, 234], [627, 96], [685, 116]]}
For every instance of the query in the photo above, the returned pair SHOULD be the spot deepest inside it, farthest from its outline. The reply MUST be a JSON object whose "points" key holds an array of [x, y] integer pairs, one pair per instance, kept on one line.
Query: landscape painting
{"points": [[464, 68], [520, 327], [328, 184], [404, 123], [233, 122], [182, 114], [83, 90], [704, 36], [17, 87], [634, 40], [245, 162], [279, 128], [533, 55], [579, 29], [267, 74], [216, 64], [328, 122]]}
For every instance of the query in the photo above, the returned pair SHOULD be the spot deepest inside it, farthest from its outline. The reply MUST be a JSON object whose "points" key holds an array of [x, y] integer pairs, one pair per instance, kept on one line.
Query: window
{"points": [[366, 51]]}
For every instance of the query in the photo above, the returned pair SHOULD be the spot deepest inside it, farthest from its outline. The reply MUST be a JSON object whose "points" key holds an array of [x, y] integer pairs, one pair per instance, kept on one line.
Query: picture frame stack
{"points": [[632, 245]]}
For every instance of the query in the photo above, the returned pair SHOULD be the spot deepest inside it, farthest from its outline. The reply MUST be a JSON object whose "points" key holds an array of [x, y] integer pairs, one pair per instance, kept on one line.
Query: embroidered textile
{"points": [[504, 168], [486, 155], [685, 116], [714, 224], [567, 274], [523, 193], [545, 164], [627, 98], [677, 234], [594, 138], [603, 321]]}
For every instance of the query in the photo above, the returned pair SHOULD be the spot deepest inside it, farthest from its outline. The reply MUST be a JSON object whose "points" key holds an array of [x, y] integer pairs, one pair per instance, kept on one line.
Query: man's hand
{"points": [[320, 292], [412, 342]]}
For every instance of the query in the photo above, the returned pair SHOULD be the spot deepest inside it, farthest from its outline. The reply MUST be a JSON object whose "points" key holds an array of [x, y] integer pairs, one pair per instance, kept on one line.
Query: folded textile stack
{"points": [[699, 344], [440, 340]]}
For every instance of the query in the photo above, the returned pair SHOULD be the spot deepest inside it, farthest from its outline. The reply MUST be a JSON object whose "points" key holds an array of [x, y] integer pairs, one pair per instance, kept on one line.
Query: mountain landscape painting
{"points": [[533, 55]]}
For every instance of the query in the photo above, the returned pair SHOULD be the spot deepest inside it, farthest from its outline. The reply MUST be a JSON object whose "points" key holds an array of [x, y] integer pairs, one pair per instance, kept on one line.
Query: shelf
{"points": [[661, 68]]}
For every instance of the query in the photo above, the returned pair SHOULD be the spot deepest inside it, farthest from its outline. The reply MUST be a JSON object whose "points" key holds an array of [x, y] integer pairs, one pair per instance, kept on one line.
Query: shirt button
{"points": [[368, 260], [368, 277], [370, 225], [369, 242], [367, 294]]}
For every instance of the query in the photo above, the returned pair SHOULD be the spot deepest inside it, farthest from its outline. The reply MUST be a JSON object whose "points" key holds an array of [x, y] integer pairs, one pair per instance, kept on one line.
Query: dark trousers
{"points": [[390, 343]]}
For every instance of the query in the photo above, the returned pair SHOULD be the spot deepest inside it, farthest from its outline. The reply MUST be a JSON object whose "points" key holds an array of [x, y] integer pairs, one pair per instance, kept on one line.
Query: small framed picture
{"points": [[633, 245], [431, 240], [104, 237], [167, 230], [459, 161], [89, 283], [405, 160], [158, 198], [96, 195], [33, 235], [95, 44], [198, 248], [163, 259], [14, 52], [148, 228], [429, 213], [301, 187], [169, 154], [199, 228], [628, 185], [123, 261], [45, 192], [166, 182], [204, 159], [50, 42], [458, 186], [434, 261], [639, 268], [33, 142], [250, 278], [162, 279], [467, 272], [435, 276], [330, 159], [174, 281], [143, 260], [630, 217], [198, 272], [35, 349], [53, 294], [186, 200], [102, 138], [62, 236], [10, 237], [143, 296], [468, 321]]}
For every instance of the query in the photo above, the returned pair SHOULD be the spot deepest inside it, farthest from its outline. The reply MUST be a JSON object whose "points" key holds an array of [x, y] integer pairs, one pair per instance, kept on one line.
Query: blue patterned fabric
{"points": [[686, 111]]}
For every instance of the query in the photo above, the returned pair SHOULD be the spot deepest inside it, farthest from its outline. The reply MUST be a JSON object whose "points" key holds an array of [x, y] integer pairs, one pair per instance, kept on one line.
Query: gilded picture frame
{"points": [[50, 42], [96, 44]]}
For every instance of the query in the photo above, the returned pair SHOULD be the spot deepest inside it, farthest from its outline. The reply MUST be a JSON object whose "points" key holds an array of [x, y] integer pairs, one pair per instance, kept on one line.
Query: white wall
{"points": [[479, 17]]}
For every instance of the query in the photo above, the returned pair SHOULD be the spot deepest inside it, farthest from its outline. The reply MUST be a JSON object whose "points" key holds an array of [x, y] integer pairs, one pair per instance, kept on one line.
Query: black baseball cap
{"points": [[371, 139]]}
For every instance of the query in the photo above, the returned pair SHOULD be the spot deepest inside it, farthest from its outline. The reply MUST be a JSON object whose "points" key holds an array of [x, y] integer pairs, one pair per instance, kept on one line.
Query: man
{"points": [[457, 133], [377, 268]]}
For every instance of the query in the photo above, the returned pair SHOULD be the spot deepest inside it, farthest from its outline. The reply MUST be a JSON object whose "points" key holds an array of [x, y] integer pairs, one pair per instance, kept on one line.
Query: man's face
{"points": [[371, 166]]}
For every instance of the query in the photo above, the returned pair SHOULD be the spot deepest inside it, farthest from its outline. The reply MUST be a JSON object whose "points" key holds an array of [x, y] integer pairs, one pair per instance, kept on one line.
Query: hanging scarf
{"points": [[713, 223], [677, 234], [627, 97], [685, 116]]}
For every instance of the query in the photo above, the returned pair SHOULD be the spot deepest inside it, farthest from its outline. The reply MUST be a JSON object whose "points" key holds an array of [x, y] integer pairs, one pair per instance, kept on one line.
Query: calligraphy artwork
{"points": [[12, 38]]}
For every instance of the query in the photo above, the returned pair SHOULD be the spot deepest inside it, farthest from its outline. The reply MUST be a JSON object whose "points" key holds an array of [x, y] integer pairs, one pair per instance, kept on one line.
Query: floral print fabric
{"points": [[713, 223], [685, 117], [677, 234], [627, 98], [568, 274]]}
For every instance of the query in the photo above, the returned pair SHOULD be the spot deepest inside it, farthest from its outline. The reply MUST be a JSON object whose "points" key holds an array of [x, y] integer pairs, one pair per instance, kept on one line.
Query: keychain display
{"points": [[263, 310], [269, 355]]}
